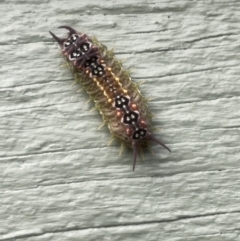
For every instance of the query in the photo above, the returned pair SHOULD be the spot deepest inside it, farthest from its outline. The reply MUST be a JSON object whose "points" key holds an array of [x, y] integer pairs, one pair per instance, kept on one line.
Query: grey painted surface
{"points": [[60, 181]]}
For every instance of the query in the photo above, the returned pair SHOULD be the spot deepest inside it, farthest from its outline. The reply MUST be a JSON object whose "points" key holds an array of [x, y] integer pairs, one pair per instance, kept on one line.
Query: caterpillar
{"points": [[116, 96]]}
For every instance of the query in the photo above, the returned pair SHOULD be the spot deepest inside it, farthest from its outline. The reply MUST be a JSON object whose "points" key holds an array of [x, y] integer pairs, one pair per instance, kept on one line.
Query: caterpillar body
{"points": [[116, 96]]}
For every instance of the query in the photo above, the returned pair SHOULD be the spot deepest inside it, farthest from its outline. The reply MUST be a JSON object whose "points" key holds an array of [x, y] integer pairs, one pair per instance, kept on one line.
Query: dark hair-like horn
{"points": [[71, 30], [135, 146], [151, 137], [59, 40]]}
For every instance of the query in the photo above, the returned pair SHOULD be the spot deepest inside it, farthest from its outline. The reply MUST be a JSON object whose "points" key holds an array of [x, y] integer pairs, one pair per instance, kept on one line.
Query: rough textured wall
{"points": [[60, 181]]}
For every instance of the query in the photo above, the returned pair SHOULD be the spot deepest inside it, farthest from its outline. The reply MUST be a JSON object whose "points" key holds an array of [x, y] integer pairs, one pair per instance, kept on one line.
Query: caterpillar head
{"points": [[66, 42], [77, 47]]}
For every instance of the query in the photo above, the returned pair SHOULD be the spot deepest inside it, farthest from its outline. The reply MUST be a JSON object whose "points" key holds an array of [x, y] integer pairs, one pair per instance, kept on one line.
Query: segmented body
{"points": [[118, 99]]}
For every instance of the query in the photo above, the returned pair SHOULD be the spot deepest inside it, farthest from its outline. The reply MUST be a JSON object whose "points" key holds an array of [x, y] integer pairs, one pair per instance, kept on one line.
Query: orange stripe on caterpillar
{"points": [[117, 98]]}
